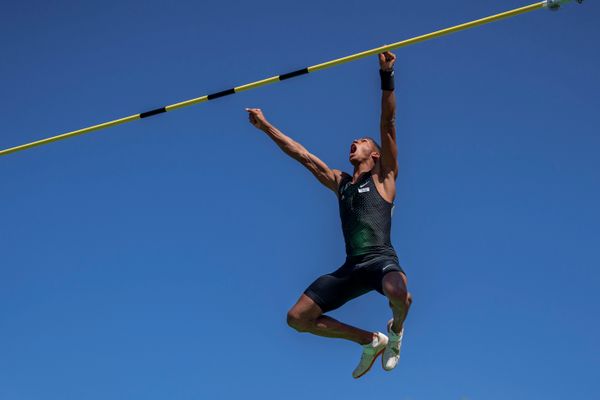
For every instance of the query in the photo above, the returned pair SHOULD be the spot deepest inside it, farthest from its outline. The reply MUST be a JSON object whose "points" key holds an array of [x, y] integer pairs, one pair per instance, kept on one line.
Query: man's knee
{"points": [[399, 297], [296, 321], [303, 315], [395, 292]]}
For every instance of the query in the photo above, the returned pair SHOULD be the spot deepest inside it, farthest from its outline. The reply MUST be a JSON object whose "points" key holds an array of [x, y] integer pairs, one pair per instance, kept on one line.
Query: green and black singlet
{"points": [[366, 217]]}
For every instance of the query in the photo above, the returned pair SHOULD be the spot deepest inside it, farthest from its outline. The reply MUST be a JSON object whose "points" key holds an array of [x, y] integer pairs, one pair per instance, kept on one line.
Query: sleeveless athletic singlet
{"points": [[366, 217]]}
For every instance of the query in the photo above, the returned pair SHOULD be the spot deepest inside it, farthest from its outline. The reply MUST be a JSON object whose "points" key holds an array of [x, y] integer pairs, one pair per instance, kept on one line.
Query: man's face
{"points": [[361, 149]]}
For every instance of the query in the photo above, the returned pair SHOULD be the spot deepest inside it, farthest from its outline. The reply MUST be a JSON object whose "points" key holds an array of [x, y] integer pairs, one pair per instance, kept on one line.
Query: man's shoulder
{"points": [[340, 175], [381, 174]]}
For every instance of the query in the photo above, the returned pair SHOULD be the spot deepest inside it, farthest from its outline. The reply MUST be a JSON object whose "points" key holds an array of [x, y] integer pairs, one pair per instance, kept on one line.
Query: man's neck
{"points": [[360, 169]]}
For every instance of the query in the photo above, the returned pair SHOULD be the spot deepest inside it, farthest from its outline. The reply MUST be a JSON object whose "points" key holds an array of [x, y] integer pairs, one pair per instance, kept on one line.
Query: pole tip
{"points": [[554, 5]]}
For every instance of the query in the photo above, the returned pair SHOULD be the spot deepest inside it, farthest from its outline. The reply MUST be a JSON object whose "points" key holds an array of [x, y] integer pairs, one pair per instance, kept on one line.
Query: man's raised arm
{"points": [[389, 150], [328, 177]]}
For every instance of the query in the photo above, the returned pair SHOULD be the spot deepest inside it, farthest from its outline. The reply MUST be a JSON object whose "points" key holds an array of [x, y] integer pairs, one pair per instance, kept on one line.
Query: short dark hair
{"points": [[377, 146]]}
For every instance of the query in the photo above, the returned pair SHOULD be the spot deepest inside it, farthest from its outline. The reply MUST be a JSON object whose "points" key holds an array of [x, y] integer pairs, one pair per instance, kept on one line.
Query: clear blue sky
{"points": [[157, 260]]}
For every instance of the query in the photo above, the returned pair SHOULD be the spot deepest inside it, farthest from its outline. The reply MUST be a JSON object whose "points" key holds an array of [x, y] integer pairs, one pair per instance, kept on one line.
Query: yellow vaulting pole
{"points": [[551, 4], [70, 134], [428, 36]]}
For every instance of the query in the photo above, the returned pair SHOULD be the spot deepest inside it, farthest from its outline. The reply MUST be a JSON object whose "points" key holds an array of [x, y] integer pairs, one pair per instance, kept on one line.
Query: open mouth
{"points": [[352, 148]]}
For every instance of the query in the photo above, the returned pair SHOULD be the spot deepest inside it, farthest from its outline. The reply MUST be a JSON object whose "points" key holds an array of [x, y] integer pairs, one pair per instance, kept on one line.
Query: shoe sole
{"points": [[372, 362]]}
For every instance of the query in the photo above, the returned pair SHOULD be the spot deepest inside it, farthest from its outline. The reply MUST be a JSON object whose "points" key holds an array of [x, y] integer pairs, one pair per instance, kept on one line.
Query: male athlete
{"points": [[366, 201]]}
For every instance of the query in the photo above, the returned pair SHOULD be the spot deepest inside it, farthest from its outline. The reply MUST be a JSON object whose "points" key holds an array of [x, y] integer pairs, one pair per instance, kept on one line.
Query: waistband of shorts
{"points": [[371, 255]]}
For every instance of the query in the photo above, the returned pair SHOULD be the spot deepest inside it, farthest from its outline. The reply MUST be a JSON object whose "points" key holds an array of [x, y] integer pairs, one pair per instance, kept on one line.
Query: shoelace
{"points": [[365, 358], [394, 344], [394, 338], [368, 351]]}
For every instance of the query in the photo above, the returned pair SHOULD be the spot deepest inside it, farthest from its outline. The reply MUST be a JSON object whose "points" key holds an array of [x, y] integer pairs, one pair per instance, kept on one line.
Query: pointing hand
{"points": [[256, 117]]}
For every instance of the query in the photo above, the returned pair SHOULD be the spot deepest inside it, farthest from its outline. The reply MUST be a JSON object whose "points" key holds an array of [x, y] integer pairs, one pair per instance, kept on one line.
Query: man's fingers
{"points": [[255, 116], [387, 55]]}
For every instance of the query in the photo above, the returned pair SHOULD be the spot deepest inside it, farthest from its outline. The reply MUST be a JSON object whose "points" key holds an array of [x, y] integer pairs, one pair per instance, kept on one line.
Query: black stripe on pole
{"points": [[221, 94], [153, 112], [293, 74]]}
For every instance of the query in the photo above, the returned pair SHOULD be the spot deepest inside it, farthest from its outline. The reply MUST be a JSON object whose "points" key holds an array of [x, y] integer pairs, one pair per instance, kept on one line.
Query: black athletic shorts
{"points": [[358, 275]]}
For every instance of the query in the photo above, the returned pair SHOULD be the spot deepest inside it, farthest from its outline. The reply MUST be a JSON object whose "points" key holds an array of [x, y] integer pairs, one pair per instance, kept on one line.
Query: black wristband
{"points": [[387, 80]]}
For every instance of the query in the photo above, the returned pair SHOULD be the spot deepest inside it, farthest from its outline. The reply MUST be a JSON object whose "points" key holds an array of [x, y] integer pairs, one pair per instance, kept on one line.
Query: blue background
{"points": [[157, 260]]}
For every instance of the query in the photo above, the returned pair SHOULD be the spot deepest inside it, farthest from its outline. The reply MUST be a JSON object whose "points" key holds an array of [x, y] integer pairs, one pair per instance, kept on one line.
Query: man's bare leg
{"points": [[395, 289], [307, 316]]}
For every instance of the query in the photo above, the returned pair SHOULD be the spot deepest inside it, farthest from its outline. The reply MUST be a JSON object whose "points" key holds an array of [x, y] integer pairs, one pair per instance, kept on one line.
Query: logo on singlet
{"points": [[363, 189]]}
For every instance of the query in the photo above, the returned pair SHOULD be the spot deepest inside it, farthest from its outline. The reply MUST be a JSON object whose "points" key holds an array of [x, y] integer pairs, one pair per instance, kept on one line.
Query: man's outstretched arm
{"points": [[327, 176], [389, 150]]}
